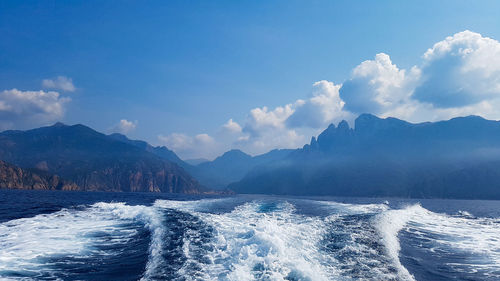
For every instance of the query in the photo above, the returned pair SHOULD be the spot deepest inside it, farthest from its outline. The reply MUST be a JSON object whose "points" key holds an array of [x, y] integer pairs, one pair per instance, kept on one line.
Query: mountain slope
{"points": [[161, 151], [93, 161], [458, 158], [13, 177], [232, 166]]}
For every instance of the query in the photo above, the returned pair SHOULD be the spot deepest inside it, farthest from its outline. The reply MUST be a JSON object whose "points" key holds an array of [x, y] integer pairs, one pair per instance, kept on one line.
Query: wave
{"points": [[388, 225], [233, 239], [269, 240], [263, 241], [272, 241], [38, 247], [463, 243]]}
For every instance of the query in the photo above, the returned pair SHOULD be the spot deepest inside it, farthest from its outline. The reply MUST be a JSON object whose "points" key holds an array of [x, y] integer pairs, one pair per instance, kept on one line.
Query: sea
{"points": [[50, 235]]}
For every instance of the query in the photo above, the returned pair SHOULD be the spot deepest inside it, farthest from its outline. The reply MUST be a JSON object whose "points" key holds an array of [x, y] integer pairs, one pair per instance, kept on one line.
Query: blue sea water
{"points": [[137, 236]]}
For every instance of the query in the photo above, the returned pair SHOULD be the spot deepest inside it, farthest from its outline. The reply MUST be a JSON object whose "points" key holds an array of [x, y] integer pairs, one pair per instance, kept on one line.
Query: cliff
{"points": [[92, 161], [13, 177]]}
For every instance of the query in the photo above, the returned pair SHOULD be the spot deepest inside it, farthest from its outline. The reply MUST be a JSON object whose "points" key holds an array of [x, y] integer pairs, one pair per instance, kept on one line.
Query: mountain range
{"points": [[91, 161], [218, 173], [457, 158], [232, 166]]}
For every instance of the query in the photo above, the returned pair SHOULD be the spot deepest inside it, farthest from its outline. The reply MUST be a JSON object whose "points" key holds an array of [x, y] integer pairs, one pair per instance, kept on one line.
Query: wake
{"points": [[270, 239]]}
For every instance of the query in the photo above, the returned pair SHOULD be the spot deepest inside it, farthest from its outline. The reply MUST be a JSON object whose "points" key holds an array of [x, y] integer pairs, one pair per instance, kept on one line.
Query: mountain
{"points": [[161, 151], [13, 177], [232, 166], [94, 161], [457, 158]]}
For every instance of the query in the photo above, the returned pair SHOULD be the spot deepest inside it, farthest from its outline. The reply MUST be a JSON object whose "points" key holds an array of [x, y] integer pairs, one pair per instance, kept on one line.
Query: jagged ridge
{"points": [[458, 158]]}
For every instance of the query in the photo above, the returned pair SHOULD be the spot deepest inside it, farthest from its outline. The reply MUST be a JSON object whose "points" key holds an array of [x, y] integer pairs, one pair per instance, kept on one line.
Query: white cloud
{"points": [[266, 129], [461, 70], [291, 125], [232, 127], [203, 139], [377, 86], [177, 141], [22, 109], [125, 126], [458, 76], [60, 82], [324, 107], [201, 145], [262, 119], [270, 139]]}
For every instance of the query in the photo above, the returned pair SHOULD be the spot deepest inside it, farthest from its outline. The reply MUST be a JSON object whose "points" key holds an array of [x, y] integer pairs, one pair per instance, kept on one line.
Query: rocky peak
{"points": [[314, 142], [365, 122], [234, 154], [343, 125]]}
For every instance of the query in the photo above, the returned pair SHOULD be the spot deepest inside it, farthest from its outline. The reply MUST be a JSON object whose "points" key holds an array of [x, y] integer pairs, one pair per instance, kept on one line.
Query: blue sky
{"points": [[176, 71]]}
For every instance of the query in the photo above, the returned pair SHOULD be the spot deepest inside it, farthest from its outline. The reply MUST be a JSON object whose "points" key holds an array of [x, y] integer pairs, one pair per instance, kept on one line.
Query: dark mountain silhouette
{"points": [[94, 161], [161, 151], [458, 158], [232, 166]]}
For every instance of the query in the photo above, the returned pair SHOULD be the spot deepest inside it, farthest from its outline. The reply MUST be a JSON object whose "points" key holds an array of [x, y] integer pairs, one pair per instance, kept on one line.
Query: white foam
{"points": [[256, 240], [280, 244], [153, 220], [478, 236], [26, 243], [389, 224], [250, 244], [346, 209]]}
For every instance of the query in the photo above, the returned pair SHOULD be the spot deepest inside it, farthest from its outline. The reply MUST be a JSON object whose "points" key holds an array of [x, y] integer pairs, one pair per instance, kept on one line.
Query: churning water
{"points": [[74, 236]]}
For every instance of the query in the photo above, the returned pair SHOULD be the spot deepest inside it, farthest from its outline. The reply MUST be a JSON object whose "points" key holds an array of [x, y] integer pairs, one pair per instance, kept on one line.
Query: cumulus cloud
{"points": [[291, 125], [377, 86], [201, 145], [22, 109], [125, 126], [270, 139], [232, 127], [461, 70], [203, 139], [456, 77], [262, 119], [267, 129], [325, 106], [60, 83]]}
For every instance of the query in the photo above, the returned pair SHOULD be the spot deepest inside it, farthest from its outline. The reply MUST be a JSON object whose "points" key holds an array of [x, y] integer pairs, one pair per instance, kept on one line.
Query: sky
{"points": [[203, 77]]}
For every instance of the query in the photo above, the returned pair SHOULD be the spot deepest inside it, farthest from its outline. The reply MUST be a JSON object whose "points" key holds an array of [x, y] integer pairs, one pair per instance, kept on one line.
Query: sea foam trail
{"points": [[388, 224], [261, 241], [153, 221], [476, 239], [354, 240], [29, 245], [269, 240], [233, 239]]}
